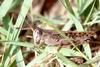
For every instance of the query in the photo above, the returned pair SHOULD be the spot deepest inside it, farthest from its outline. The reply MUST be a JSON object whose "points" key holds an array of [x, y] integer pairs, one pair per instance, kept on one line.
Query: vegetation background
{"points": [[16, 49]]}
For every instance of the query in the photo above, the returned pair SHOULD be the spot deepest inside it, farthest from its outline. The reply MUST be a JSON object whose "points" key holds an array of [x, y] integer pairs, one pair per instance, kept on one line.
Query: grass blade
{"points": [[69, 52], [84, 6], [4, 8], [66, 61], [68, 6], [38, 60], [15, 34]]}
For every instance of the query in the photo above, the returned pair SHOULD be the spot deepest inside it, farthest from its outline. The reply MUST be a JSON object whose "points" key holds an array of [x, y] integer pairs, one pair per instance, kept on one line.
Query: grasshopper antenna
{"points": [[32, 26]]}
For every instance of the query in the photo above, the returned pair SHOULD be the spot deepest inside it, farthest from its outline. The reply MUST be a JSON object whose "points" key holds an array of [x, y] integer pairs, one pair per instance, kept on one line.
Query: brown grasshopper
{"points": [[52, 37]]}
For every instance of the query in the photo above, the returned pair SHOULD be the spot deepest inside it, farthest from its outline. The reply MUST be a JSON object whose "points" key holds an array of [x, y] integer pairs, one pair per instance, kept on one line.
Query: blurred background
{"points": [[17, 20]]}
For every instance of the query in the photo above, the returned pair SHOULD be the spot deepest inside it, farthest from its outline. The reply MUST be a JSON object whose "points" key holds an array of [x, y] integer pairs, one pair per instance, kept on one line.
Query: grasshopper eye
{"points": [[37, 36], [95, 36]]}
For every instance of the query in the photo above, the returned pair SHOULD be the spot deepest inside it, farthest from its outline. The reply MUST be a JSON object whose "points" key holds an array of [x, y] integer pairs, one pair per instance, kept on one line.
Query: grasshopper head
{"points": [[37, 34]]}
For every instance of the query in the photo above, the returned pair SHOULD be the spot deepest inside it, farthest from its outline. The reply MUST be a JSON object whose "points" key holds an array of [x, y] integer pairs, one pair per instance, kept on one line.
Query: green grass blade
{"points": [[87, 50], [66, 61], [19, 58], [79, 3], [86, 46], [72, 14], [69, 52], [3, 31], [77, 23], [68, 26], [19, 23], [24, 10], [37, 60], [4, 8], [13, 64], [7, 55], [68, 6], [89, 15], [84, 5], [13, 43], [94, 59]]}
